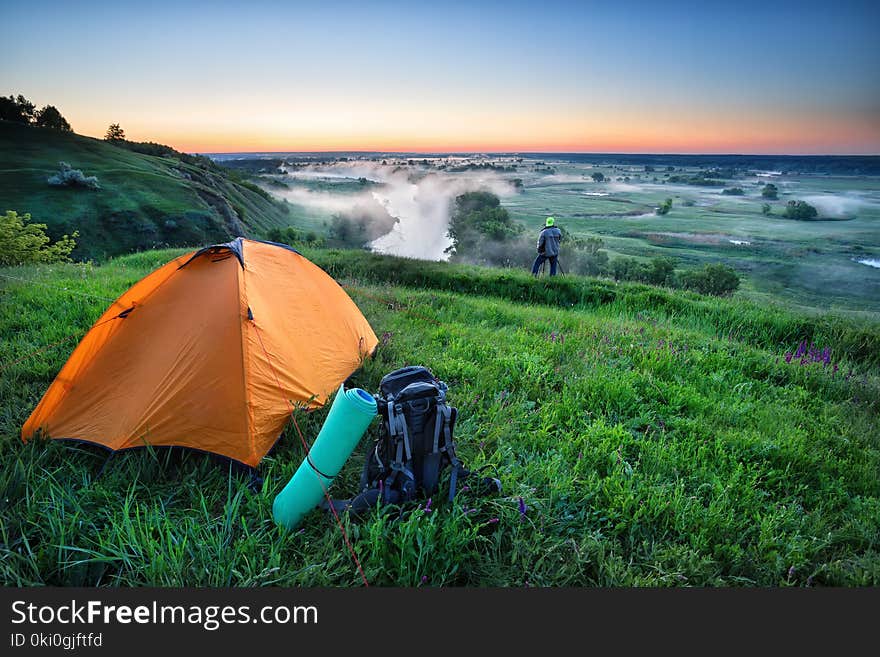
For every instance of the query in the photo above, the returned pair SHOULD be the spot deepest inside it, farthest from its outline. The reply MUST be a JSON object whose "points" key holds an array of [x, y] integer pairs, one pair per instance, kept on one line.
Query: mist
{"points": [[838, 206], [420, 200]]}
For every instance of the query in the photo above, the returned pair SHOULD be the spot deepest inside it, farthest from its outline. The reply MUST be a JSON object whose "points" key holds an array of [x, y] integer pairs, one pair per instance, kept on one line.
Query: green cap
{"points": [[549, 221]]}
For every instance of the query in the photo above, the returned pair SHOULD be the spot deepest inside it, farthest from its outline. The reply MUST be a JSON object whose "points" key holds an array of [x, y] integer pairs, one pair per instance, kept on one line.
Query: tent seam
{"points": [[245, 369]]}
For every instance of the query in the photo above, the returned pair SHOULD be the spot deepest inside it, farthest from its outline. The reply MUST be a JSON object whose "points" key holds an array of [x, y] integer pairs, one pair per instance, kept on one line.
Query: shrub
{"points": [[770, 191], [716, 280], [68, 177], [22, 242], [665, 207], [766, 209], [800, 210], [733, 191]]}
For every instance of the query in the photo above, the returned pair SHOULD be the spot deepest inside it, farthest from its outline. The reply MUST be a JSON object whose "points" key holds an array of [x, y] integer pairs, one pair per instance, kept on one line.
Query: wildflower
{"points": [[424, 578], [801, 350], [522, 508], [791, 572], [493, 521], [788, 356], [428, 506]]}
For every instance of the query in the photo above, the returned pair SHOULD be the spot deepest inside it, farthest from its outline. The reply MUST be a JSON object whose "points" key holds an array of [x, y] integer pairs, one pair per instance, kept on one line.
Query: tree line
{"points": [[19, 109]]}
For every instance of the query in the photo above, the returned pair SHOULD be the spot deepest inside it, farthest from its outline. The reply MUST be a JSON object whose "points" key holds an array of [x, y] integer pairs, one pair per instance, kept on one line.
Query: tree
{"points": [[478, 217], [17, 110], [50, 117], [770, 191], [662, 270], [27, 108], [598, 176], [22, 242], [800, 210], [115, 133], [665, 207]]}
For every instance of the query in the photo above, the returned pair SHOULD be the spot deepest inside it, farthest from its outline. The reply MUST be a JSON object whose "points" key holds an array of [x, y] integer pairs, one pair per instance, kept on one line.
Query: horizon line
{"points": [[509, 152]]}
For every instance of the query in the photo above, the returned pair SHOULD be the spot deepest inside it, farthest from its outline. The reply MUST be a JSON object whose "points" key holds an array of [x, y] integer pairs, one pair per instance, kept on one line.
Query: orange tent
{"points": [[209, 352]]}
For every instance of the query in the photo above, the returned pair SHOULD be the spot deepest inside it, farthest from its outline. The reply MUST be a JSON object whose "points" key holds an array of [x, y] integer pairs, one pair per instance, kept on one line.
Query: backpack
{"points": [[415, 444]]}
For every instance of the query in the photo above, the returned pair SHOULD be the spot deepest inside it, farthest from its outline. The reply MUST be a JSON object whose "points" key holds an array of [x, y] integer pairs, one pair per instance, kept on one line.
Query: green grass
{"points": [[144, 201], [652, 446], [804, 264]]}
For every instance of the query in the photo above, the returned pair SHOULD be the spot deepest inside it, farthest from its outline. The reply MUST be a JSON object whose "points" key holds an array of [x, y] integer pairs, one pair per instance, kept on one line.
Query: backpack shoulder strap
{"points": [[400, 468]]}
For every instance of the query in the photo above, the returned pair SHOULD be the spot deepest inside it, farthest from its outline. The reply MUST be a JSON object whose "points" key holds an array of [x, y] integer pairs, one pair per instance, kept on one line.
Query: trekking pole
{"points": [[559, 264], [543, 267]]}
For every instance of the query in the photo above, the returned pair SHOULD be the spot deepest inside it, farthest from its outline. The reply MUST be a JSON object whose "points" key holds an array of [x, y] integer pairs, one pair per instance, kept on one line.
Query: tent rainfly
{"points": [[209, 352]]}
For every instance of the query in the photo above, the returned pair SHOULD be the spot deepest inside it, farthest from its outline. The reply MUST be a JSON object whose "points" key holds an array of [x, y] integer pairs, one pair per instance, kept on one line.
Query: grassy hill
{"points": [[655, 438], [144, 202]]}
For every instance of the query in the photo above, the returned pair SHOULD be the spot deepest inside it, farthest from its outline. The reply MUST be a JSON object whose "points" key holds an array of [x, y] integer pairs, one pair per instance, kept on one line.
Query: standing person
{"points": [[548, 247]]}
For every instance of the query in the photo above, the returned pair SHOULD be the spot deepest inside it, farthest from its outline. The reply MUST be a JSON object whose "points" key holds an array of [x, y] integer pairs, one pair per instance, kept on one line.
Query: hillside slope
{"points": [[144, 201], [637, 446]]}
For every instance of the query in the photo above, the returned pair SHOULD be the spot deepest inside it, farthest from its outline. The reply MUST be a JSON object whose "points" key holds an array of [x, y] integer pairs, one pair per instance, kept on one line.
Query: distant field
{"points": [[809, 264], [803, 264]]}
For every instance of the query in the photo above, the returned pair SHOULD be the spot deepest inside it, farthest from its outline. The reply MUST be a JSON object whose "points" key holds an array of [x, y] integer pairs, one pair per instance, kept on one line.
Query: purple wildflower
{"points": [[801, 350], [424, 578], [522, 508], [493, 521], [788, 356], [428, 506], [791, 572]]}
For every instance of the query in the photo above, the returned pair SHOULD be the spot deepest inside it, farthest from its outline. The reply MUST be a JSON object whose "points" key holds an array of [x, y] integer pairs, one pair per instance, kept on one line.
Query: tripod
{"points": [[558, 265]]}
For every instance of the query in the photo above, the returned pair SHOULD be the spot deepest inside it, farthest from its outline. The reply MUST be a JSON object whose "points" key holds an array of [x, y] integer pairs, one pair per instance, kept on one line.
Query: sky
{"points": [[629, 77]]}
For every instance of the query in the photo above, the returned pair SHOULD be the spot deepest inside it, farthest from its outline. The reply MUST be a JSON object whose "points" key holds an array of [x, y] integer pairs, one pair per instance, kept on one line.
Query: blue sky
{"points": [[628, 76]]}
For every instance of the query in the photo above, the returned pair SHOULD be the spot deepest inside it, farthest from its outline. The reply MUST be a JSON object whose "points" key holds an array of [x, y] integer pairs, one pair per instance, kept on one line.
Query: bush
{"points": [[770, 191], [766, 209], [22, 242], [800, 210], [294, 237], [715, 280], [69, 177], [733, 191], [665, 207]]}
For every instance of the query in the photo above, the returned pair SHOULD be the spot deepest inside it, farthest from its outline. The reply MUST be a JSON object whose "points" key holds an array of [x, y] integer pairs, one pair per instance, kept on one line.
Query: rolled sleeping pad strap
{"points": [[348, 419]]}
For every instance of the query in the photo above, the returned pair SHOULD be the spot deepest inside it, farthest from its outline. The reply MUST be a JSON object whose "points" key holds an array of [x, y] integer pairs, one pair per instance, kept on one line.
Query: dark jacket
{"points": [[548, 242]]}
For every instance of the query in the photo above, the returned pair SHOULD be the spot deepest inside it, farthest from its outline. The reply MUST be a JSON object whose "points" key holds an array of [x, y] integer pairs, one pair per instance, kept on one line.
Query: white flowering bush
{"points": [[69, 177]]}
